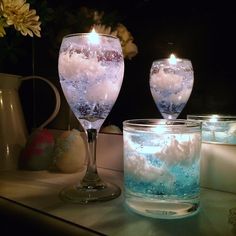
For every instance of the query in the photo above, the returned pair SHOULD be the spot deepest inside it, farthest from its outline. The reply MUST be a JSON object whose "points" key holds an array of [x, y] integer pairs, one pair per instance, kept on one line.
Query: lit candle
{"points": [[217, 128], [161, 166], [95, 63], [218, 151], [93, 37], [172, 60], [89, 65], [171, 82], [214, 118]]}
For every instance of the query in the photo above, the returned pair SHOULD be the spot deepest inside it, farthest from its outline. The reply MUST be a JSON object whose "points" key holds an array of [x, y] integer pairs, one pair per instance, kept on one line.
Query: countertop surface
{"points": [[30, 203], [38, 191]]}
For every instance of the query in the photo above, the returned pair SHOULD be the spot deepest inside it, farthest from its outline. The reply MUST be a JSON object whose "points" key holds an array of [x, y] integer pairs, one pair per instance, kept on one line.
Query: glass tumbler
{"points": [[217, 129], [162, 167]]}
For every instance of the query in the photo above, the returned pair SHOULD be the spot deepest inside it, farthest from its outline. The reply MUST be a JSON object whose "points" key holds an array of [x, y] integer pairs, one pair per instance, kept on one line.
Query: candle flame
{"points": [[172, 59], [214, 118], [93, 37]]}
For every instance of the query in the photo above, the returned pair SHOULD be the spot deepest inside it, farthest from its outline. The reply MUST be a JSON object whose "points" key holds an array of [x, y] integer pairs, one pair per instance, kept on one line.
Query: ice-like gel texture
{"points": [[91, 76]]}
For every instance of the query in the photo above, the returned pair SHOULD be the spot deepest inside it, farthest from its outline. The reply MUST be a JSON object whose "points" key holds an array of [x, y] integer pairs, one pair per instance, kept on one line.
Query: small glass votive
{"points": [[219, 129], [218, 152], [162, 167]]}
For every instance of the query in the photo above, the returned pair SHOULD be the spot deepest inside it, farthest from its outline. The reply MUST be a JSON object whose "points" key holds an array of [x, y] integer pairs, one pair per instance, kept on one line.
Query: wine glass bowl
{"points": [[171, 83], [91, 68]]}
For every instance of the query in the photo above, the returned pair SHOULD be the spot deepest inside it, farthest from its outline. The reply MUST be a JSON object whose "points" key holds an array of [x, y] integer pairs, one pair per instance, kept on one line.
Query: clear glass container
{"points": [[171, 82], [219, 129], [91, 69], [162, 167]]}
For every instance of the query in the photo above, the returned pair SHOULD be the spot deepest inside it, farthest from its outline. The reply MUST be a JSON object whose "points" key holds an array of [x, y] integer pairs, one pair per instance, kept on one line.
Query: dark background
{"points": [[203, 33]]}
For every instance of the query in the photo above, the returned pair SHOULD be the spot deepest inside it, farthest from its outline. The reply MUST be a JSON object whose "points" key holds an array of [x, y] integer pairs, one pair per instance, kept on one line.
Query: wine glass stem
{"points": [[91, 178]]}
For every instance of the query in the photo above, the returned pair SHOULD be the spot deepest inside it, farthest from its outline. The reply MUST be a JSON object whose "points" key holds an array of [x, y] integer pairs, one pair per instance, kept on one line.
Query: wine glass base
{"points": [[84, 194]]}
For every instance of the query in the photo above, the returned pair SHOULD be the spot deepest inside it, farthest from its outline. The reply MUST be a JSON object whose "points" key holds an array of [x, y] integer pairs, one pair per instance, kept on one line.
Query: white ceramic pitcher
{"points": [[13, 132]]}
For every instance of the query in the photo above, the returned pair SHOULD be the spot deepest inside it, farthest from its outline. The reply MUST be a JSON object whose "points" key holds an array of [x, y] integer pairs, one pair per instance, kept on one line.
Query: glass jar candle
{"points": [[217, 128], [162, 167]]}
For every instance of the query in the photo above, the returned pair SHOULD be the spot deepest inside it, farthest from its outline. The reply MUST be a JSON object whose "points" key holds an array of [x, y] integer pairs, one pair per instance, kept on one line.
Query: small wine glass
{"points": [[171, 83], [91, 69]]}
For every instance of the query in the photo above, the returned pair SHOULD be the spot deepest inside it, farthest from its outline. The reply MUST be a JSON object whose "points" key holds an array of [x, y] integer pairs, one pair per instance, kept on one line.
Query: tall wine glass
{"points": [[171, 83], [91, 69]]}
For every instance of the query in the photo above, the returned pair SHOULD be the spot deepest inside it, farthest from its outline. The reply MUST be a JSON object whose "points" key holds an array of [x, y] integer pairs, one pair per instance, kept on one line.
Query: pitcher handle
{"points": [[57, 96]]}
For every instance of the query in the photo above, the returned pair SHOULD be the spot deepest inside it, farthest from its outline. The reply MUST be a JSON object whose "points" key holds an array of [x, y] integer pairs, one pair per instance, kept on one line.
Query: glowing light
{"points": [[214, 118], [93, 37], [8, 150], [172, 60]]}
